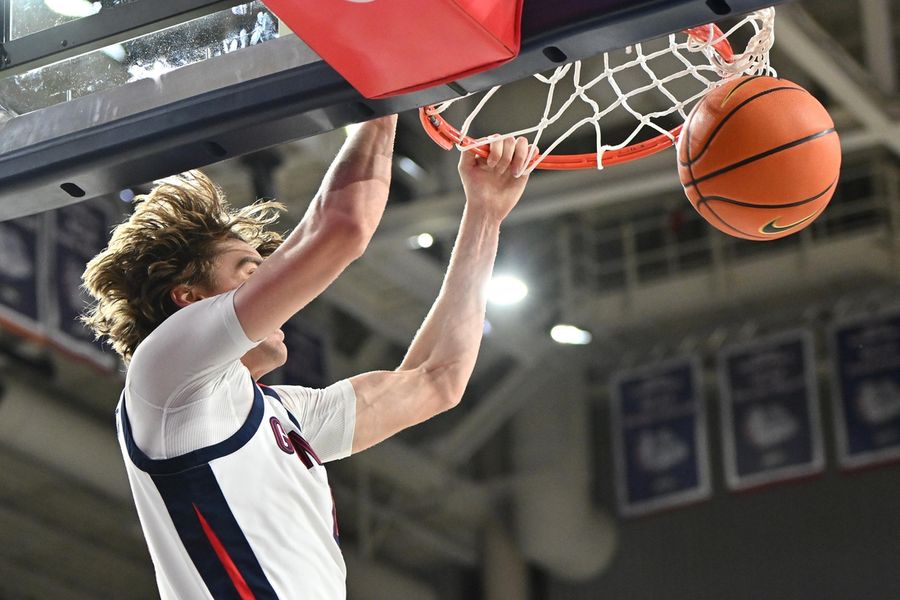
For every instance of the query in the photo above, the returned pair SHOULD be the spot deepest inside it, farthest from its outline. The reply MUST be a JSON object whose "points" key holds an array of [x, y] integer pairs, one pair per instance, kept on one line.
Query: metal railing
{"points": [[671, 239]]}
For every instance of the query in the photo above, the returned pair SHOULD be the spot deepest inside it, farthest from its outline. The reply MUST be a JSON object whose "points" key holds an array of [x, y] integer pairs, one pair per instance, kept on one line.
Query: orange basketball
{"points": [[759, 158]]}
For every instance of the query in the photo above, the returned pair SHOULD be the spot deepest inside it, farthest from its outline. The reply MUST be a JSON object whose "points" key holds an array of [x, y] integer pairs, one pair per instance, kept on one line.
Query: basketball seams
{"points": [[690, 120], [704, 199], [704, 202], [740, 84], [740, 232], [716, 166], [733, 112], [750, 159]]}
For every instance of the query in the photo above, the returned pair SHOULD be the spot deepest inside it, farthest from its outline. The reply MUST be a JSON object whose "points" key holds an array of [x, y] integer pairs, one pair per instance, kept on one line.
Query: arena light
{"points": [[410, 167], [505, 290], [569, 334], [73, 8], [423, 240]]}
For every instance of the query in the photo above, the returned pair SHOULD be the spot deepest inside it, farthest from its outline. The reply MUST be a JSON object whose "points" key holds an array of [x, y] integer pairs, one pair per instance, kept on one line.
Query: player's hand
{"points": [[494, 184]]}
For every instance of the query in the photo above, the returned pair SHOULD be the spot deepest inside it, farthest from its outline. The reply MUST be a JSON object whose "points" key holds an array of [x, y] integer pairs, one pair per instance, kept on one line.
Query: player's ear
{"points": [[184, 294]]}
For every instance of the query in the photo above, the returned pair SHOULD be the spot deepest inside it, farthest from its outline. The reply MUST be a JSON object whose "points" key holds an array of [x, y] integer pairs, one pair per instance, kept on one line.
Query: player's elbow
{"points": [[348, 233], [448, 387]]}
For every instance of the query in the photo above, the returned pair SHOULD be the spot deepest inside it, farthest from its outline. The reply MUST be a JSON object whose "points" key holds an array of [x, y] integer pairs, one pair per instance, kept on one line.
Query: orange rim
{"points": [[447, 136]]}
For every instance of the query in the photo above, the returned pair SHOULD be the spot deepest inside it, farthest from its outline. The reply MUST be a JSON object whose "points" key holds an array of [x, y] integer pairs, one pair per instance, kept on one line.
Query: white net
{"points": [[704, 55]]}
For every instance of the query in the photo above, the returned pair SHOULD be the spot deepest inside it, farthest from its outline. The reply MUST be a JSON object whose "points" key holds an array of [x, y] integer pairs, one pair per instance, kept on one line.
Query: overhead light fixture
{"points": [[505, 290], [423, 240], [569, 334], [73, 8], [410, 167]]}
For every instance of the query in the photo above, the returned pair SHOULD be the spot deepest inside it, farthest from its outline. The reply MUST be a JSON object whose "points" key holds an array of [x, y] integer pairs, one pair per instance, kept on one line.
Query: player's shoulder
{"points": [[183, 322]]}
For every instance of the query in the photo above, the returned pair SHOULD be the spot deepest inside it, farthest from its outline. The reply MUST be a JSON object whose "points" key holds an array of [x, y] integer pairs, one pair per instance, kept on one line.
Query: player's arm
{"points": [[440, 360], [334, 231]]}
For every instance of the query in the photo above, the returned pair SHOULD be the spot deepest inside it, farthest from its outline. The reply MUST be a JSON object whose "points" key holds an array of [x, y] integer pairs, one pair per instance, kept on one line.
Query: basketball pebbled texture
{"points": [[759, 158]]}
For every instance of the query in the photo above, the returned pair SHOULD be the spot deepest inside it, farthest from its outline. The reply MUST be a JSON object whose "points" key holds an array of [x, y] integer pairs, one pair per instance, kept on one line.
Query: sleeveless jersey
{"points": [[250, 517]]}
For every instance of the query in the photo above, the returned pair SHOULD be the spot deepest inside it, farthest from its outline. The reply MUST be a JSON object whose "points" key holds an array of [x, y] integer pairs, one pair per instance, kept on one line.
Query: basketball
{"points": [[759, 158]]}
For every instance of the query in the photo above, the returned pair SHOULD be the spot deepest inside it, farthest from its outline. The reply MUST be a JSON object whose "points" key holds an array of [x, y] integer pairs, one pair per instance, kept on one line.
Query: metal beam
{"points": [[203, 113], [878, 39], [422, 278], [811, 48], [547, 195], [490, 414], [109, 149], [109, 26], [4, 27]]}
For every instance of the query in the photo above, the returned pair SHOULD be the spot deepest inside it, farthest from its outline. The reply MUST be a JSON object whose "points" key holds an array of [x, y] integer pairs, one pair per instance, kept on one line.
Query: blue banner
{"points": [[659, 433], [81, 232], [867, 394], [20, 274], [771, 427]]}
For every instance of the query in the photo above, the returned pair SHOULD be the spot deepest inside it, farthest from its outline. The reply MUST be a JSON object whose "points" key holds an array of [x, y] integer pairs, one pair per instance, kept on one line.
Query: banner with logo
{"points": [[21, 275], [659, 433], [771, 426], [867, 389], [80, 232]]}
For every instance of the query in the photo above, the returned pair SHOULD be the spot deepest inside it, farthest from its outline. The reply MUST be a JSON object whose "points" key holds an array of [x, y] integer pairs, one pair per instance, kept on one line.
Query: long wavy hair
{"points": [[171, 238]]}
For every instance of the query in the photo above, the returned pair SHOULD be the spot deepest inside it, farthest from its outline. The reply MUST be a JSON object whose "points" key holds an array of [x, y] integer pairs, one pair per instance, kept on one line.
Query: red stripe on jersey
{"points": [[234, 574]]}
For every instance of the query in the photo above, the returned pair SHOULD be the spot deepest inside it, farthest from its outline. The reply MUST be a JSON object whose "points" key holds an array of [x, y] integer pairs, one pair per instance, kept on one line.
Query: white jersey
{"points": [[243, 515]]}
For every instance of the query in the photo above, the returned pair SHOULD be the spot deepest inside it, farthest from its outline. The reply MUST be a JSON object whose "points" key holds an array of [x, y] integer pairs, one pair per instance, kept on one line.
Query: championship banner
{"points": [[658, 421], [21, 294], [771, 426], [80, 232], [867, 390], [307, 363]]}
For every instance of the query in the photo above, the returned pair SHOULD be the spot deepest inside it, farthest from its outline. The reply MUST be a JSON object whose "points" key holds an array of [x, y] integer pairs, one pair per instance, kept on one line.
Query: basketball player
{"points": [[227, 474]]}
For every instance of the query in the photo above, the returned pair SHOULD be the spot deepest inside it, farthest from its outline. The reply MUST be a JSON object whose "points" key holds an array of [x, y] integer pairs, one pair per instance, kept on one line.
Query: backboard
{"points": [[263, 95]]}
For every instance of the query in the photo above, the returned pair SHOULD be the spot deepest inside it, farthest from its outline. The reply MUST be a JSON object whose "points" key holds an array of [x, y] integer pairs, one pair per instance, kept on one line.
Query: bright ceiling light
{"points": [[410, 167], [423, 240], [505, 290], [569, 334], [73, 8]]}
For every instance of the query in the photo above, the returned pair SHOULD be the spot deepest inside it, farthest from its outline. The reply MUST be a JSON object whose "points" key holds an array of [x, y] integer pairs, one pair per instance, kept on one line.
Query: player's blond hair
{"points": [[171, 238]]}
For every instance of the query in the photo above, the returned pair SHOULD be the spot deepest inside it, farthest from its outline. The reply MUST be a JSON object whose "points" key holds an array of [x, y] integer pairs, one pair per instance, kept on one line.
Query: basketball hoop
{"points": [[708, 59]]}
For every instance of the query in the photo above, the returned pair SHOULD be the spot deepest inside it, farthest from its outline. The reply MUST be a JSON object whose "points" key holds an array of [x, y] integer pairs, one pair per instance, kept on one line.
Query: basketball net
{"points": [[707, 57]]}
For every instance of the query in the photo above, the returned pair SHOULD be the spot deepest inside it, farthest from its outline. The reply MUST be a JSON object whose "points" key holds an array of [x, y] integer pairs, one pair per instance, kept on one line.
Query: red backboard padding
{"points": [[389, 47]]}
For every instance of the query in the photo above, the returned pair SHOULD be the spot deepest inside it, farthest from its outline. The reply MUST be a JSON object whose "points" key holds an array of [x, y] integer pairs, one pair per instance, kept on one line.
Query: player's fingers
{"points": [[509, 150], [496, 153], [520, 157], [467, 160]]}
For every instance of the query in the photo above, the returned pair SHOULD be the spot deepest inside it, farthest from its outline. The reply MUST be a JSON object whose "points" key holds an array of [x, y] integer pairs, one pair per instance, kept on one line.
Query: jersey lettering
{"points": [[281, 437], [304, 450]]}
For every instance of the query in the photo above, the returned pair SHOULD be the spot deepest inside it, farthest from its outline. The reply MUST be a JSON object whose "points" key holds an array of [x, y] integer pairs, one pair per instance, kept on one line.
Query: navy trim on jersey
{"points": [[182, 492], [273, 394], [199, 457]]}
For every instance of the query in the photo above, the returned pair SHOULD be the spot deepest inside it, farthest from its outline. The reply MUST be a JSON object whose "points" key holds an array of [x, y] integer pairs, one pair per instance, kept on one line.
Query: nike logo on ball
{"points": [[771, 228]]}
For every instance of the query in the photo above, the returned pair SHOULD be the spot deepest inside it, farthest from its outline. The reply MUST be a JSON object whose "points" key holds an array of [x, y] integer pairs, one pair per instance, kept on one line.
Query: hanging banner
{"points": [[771, 427], [81, 231], [658, 420], [21, 293], [867, 390]]}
